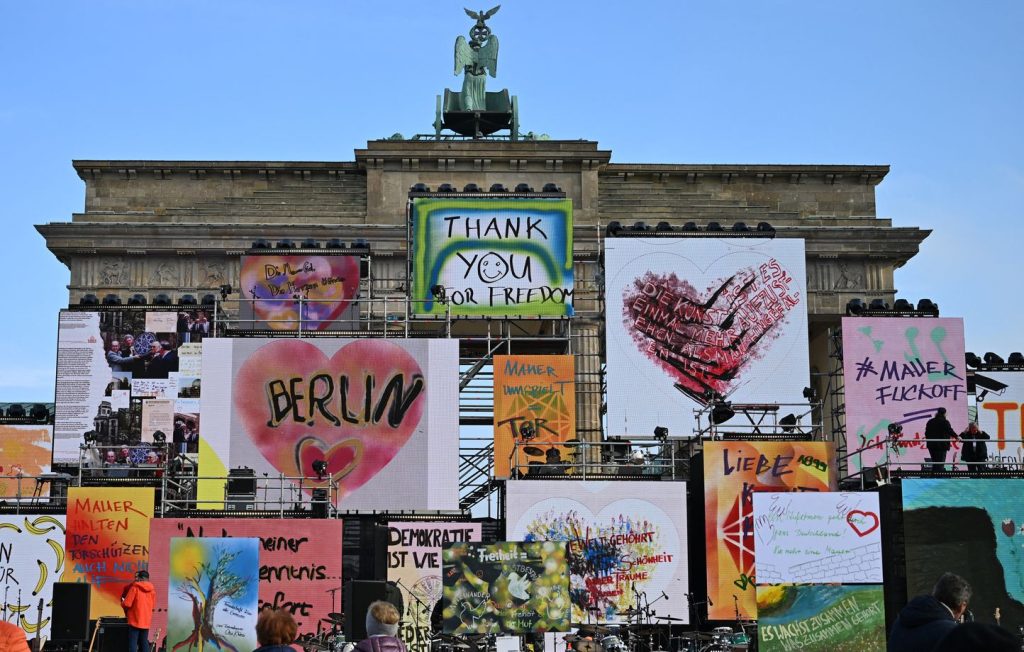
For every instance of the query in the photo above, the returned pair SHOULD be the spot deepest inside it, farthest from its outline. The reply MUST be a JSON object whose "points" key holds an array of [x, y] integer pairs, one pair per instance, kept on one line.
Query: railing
{"points": [[890, 464], [596, 460], [270, 494], [759, 421]]}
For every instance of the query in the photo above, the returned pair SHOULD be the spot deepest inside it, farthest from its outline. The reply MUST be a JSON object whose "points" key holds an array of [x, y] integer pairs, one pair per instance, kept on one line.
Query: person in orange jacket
{"points": [[12, 639], [138, 602]]}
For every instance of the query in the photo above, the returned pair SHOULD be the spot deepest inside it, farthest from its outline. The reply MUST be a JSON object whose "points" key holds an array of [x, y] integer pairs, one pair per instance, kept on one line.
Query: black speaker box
{"points": [[358, 596], [70, 611], [111, 636]]}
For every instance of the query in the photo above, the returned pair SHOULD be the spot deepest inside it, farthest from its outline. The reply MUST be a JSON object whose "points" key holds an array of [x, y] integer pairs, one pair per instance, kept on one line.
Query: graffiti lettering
{"points": [[303, 399], [499, 229]]}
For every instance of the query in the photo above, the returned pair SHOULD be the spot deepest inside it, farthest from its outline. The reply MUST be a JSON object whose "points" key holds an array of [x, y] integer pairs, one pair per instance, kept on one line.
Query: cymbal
{"points": [[596, 629], [668, 618], [533, 450], [334, 615]]}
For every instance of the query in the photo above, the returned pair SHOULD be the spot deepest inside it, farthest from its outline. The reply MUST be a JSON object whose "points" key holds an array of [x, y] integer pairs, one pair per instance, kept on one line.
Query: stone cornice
{"points": [[760, 173]]}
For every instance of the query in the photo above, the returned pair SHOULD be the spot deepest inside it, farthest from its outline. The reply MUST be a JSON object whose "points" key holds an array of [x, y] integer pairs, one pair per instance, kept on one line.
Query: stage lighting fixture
{"points": [[162, 300], [661, 432], [690, 227], [927, 305], [90, 437], [16, 410], [992, 358], [639, 226], [551, 187], [878, 304], [111, 299], [855, 307], [527, 431], [446, 187], [972, 359], [159, 437], [438, 292], [613, 228], [136, 300], [39, 412], [809, 393], [788, 422], [721, 413], [714, 226], [902, 305], [286, 244], [663, 227], [765, 227], [208, 299], [310, 243], [740, 227], [335, 243], [497, 187], [187, 300], [523, 187], [320, 468], [360, 243], [1016, 358], [225, 290], [471, 187], [262, 243], [420, 187], [89, 300]]}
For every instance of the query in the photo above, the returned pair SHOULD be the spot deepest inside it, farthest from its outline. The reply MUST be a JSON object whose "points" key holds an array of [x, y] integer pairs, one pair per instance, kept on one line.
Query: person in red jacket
{"points": [[12, 639], [138, 603]]}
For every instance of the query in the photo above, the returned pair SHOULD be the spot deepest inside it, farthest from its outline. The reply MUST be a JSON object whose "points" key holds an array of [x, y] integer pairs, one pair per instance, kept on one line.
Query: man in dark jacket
{"points": [[975, 451], [928, 618], [939, 433]]}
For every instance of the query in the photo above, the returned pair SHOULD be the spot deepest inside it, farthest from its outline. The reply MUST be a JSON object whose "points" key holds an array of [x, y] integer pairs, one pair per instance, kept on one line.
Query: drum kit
{"points": [[656, 637], [467, 642], [329, 640]]}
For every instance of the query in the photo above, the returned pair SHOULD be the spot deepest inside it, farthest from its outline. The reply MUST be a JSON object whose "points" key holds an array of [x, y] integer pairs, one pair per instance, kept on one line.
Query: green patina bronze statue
{"points": [[475, 59]]}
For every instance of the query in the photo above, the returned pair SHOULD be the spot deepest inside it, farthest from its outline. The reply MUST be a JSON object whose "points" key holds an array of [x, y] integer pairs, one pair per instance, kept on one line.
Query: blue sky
{"points": [[933, 89]]}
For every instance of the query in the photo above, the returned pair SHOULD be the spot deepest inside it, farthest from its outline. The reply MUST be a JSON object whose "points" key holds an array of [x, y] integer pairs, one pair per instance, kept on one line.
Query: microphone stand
{"points": [[418, 616]]}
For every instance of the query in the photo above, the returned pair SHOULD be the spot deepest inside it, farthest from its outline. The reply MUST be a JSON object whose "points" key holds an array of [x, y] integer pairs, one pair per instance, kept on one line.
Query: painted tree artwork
{"points": [[212, 594]]}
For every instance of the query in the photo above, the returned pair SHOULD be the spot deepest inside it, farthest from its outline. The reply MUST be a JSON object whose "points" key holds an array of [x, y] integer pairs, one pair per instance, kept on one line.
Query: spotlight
{"points": [[640, 226], [111, 299], [878, 304], [663, 227], [446, 187], [16, 410], [972, 359], [927, 305], [137, 300], [809, 393], [89, 300], [523, 187], [320, 468], [855, 307], [1016, 358], [471, 187], [335, 243], [39, 412], [788, 423], [162, 300], [225, 290], [497, 187], [721, 413], [992, 358], [360, 243], [438, 292], [551, 187], [714, 226], [286, 244], [765, 227], [420, 187], [902, 305], [262, 243], [740, 227], [187, 300], [208, 299], [310, 243], [613, 228], [90, 436], [661, 432], [527, 431], [159, 437], [690, 227]]}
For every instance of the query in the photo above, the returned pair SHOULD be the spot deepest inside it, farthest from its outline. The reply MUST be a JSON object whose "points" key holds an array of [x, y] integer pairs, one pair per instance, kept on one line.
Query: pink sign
{"points": [[901, 370], [300, 562]]}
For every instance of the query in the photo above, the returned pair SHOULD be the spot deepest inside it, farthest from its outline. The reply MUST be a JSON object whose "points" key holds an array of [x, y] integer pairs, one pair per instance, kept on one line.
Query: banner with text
{"points": [[414, 561], [107, 541], [1000, 396], [300, 561], [279, 291], [899, 370], [108, 359], [32, 558], [620, 536], [492, 257], [211, 595], [510, 588], [817, 618], [690, 319], [534, 400], [380, 412], [24, 451], [733, 472], [817, 538]]}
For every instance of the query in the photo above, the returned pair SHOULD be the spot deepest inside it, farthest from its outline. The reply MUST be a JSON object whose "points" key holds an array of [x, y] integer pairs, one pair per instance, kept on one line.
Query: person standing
{"points": [[939, 434], [275, 631], [381, 629], [975, 450], [927, 619], [138, 602], [12, 639]]}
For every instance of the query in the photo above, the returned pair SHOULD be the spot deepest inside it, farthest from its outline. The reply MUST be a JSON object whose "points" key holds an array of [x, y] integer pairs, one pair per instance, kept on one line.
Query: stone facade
{"points": [[180, 227]]}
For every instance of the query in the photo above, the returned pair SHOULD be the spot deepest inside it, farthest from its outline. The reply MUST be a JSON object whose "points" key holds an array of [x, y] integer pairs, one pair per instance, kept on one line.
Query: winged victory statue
{"points": [[475, 59]]}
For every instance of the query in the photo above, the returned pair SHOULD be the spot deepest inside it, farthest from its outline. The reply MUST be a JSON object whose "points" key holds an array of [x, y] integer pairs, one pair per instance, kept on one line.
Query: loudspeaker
{"points": [[112, 635], [70, 611], [356, 599]]}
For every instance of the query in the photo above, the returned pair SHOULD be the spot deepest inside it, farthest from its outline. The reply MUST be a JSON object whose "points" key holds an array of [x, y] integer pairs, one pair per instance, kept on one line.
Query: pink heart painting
{"points": [[703, 340], [327, 285], [863, 523], [354, 410]]}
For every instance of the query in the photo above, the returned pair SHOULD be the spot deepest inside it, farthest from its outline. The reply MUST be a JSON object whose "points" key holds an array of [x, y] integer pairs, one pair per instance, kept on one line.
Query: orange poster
{"points": [[733, 472], [107, 541], [534, 403], [24, 451]]}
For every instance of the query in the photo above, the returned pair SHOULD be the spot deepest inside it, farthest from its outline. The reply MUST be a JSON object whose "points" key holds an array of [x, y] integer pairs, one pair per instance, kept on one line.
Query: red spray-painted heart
{"points": [[703, 340], [355, 410], [859, 522]]}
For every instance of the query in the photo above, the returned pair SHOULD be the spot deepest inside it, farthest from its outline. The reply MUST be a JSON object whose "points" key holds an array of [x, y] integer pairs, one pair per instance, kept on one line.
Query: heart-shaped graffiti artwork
{"points": [[327, 285], [355, 410], [863, 523], [629, 544], [703, 340]]}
